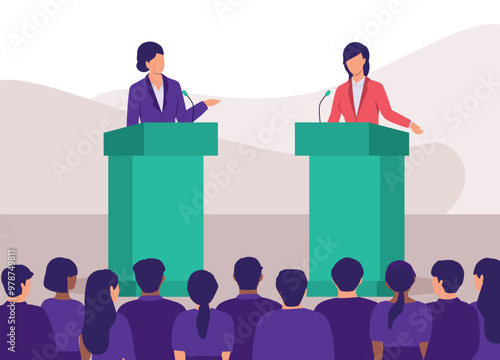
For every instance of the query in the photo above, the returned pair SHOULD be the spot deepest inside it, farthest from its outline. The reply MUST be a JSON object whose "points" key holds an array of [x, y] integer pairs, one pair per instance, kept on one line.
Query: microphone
{"points": [[319, 107], [184, 92]]}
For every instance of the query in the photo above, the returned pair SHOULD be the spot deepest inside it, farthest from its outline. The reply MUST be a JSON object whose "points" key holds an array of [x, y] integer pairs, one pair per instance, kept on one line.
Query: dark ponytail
{"points": [[488, 302], [202, 287], [400, 276]]}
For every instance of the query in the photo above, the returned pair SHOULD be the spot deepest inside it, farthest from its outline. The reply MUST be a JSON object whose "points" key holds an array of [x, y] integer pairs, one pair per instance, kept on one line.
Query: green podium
{"points": [[356, 200], [156, 200]]}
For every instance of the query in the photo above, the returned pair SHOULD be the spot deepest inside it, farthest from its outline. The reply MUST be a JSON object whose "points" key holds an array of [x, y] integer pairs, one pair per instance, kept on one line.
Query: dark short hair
{"points": [[354, 49], [147, 52], [347, 274], [20, 274], [247, 273], [291, 285], [452, 274], [148, 274], [57, 273]]}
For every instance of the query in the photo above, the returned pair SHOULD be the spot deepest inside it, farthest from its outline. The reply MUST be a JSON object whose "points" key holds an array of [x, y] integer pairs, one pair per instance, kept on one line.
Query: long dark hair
{"points": [[400, 276], [354, 49], [100, 312], [488, 302], [202, 287]]}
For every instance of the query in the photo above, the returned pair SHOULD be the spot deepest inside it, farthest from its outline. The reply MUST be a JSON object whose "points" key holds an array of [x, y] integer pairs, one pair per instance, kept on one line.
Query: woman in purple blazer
{"points": [[157, 98]]}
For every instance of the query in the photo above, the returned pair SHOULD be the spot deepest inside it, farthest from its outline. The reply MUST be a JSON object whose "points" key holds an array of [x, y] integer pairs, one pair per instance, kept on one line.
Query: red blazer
{"points": [[373, 99]]}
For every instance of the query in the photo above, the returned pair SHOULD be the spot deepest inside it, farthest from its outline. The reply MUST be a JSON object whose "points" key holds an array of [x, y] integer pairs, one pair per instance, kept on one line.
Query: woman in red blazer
{"points": [[360, 99]]}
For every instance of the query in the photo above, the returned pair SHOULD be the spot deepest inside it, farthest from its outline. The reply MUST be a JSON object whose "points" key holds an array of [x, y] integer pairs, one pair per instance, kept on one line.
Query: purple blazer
{"points": [[142, 104]]}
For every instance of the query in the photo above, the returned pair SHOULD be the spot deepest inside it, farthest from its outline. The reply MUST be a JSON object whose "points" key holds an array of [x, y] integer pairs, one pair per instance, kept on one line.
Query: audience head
{"points": [[399, 276], [448, 276], [60, 275], [362, 62], [202, 287], [19, 276], [487, 280], [149, 274], [291, 285], [248, 273], [101, 292], [347, 274]]}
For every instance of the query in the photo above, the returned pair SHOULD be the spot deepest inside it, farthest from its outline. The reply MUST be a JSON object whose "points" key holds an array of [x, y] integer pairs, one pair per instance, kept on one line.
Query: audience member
{"points": [[349, 315], [65, 314], [203, 333], [455, 326], [151, 317], [487, 281], [106, 334], [248, 307], [293, 333], [25, 329], [400, 328]]}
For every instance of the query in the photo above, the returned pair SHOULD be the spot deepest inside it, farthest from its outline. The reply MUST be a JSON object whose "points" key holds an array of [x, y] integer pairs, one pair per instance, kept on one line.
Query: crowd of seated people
{"points": [[249, 326]]}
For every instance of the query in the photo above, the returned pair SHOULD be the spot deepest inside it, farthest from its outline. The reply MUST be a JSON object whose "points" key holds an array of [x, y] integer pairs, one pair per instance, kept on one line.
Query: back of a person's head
{"points": [[451, 273], [291, 285], [57, 273], [400, 276], [202, 287], [12, 278], [149, 274], [247, 272], [347, 274], [100, 311], [488, 302]]}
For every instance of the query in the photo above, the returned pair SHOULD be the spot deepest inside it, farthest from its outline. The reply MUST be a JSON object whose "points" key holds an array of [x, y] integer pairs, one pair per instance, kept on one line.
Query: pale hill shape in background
{"points": [[51, 147]]}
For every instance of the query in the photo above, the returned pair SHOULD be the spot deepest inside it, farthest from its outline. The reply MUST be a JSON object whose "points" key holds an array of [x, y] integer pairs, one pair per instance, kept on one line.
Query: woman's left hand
{"points": [[415, 128]]}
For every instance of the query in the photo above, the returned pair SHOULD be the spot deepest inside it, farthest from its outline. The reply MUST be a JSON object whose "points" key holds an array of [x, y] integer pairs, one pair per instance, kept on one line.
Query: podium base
{"points": [[366, 289]]}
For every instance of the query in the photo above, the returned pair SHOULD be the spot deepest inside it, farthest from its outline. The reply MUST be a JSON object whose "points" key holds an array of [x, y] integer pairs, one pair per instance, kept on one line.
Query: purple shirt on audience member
{"points": [[66, 318], [487, 350], [219, 337], [33, 338], [121, 344], [246, 311], [410, 328], [151, 319], [455, 331], [293, 334], [349, 320]]}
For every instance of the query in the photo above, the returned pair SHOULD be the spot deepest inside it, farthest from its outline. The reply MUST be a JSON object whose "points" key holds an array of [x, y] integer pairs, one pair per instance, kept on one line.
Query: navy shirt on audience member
{"points": [[33, 338], [151, 319], [349, 320], [246, 311], [455, 330]]}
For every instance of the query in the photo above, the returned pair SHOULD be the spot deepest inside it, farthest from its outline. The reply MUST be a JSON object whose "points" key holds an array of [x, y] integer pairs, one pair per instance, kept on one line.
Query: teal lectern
{"points": [[356, 200], [156, 199]]}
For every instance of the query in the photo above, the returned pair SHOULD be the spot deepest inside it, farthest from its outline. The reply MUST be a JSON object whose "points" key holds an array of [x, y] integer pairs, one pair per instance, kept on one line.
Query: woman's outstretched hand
{"points": [[415, 128], [211, 102]]}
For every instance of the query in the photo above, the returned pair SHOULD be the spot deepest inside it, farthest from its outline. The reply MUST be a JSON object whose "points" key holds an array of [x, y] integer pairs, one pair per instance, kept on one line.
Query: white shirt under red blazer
{"points": [[373, 99]]}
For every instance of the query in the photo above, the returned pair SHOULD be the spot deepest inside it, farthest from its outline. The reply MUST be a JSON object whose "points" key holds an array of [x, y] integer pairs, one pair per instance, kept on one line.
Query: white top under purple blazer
{"points": [[143, 106]]}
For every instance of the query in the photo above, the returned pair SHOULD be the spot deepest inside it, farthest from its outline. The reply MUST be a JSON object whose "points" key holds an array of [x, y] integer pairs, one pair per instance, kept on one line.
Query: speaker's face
{"points": [[157, 64], [355, 65]]}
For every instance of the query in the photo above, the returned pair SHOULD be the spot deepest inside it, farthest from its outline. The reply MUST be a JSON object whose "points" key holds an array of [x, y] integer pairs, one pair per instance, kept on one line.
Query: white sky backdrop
{"points": [[247, 49]]}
